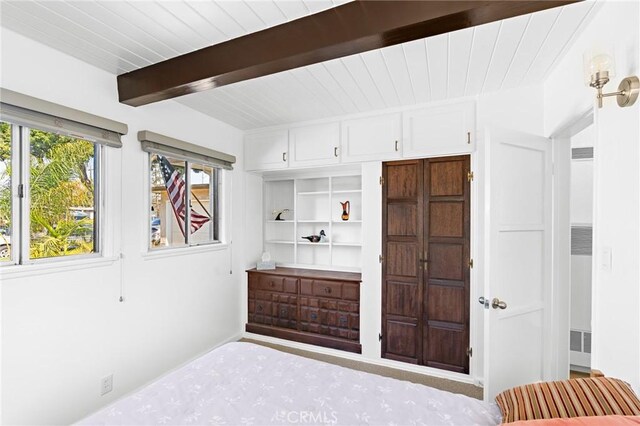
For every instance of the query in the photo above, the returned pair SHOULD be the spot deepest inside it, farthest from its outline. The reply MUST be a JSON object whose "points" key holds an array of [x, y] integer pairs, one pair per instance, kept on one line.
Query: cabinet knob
{"points": [[327, 289], [272, 284], [283, 312], [259, 308], [314, 316]]}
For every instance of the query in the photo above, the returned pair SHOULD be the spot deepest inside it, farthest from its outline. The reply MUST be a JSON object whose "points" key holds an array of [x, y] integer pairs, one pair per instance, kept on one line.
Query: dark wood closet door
{"points": [[446, 236], [401, 268], [425, 272]]}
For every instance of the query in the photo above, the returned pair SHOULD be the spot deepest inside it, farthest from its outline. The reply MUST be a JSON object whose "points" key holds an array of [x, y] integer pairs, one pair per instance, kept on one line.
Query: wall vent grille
{"points": [[580, 341], [582, 153], [581, 240]]}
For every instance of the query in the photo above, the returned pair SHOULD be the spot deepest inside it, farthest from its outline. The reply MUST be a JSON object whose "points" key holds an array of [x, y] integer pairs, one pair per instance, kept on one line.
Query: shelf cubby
{"points": [[314, 206]]}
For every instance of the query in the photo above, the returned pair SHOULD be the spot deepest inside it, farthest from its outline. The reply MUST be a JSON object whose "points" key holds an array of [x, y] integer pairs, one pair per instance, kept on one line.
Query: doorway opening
{"points": [[581, 220]]}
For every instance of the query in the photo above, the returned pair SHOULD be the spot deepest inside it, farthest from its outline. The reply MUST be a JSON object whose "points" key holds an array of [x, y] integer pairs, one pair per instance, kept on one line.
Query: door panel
{"points": [[446, 303], [403, 181], [518, 247], [266, 150], [439, 130], [402, 219], [446, 219], [446, 261], [446, 347], [402, 245], [371, 138], [314, 145], [447, 244], [402, 341], [446, 178], [402, 298], [402, 259]]}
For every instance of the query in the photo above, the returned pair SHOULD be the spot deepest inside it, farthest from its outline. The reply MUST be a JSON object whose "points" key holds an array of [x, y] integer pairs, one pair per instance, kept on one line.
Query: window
{"points": [[5, 192], [58, 195], [185, 185], [169, 217], [50, 162]]}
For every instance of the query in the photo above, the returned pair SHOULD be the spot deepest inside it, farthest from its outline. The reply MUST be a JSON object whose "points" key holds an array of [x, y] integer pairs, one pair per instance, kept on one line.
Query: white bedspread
{"points": [[246, 384]]}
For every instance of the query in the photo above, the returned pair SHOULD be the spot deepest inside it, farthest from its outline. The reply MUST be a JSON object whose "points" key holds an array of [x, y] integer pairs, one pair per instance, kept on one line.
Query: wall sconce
{"points": [[599, 68]]}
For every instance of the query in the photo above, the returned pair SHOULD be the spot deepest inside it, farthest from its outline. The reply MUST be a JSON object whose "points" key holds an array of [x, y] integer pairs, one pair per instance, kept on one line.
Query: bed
{"points": [[247, 384]]}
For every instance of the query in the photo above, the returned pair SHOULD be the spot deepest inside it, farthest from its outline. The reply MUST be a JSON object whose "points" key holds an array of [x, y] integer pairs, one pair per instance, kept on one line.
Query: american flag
{"points": [[175, 189]]}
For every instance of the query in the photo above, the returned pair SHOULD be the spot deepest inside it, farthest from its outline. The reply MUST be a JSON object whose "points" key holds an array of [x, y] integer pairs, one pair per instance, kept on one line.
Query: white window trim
{"points": [[65, 264], [162, 253]]}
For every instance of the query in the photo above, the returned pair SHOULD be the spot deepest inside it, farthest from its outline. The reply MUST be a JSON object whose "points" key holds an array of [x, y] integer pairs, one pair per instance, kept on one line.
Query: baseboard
{"points": [[580, 368], [426, 371]]}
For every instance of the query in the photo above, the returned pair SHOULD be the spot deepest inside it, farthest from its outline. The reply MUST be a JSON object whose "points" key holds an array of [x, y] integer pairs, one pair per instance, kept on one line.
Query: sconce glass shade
{"points": [[598, 62]]}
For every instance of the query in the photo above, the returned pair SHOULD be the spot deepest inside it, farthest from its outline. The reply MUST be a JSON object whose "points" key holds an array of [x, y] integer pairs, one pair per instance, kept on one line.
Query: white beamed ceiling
{"points": [[121, 36]]}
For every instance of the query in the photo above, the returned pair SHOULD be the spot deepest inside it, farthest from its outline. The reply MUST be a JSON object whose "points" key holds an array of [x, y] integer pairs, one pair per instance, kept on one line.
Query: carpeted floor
{"points": [[578, 374], [434, 382]]}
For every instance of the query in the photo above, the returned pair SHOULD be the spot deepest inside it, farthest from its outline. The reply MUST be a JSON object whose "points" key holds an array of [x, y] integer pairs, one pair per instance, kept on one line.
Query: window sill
{"points": [[183, 251], [34, 269]]}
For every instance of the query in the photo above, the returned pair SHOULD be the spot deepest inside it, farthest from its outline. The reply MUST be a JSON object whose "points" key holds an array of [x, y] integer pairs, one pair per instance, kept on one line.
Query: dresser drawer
{"points": [[320, 288], [271, 283], [351, 291]]}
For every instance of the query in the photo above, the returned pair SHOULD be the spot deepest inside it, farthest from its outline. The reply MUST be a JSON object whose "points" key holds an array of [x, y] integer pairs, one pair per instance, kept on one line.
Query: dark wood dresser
{"points": [[308, 306]]}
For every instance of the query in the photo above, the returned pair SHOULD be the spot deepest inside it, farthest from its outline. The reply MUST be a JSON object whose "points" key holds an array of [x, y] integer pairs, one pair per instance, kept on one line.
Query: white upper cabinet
{"points": [[372, 138], [439, 130], [315, 145], [267, 150]]}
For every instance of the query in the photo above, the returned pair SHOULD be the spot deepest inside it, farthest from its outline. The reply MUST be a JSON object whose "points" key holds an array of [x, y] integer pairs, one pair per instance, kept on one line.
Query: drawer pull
{"points": [[272, 284], [327, 290], [259, 308], [314, 316], [343, 320]]}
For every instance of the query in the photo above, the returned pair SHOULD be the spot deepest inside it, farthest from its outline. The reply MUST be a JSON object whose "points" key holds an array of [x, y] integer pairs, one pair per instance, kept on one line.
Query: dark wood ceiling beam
{"points": [[341, 31]]}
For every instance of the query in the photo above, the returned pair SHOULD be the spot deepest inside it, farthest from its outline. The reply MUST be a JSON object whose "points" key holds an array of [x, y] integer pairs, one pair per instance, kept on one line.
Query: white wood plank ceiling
{"points": [[120, 36]]}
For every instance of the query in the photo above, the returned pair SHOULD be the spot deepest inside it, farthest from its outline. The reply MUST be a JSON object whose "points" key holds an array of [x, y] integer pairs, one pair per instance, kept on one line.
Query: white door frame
{"points": [[561, 234]]}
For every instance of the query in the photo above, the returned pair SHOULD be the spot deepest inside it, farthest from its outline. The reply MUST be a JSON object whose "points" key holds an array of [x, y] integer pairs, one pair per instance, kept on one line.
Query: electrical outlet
{"points": [[106, 384]]}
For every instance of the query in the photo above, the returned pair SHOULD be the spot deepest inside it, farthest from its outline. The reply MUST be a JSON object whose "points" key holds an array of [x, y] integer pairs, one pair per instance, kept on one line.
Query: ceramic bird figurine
{"points": [[280, 213], [316, 238]]}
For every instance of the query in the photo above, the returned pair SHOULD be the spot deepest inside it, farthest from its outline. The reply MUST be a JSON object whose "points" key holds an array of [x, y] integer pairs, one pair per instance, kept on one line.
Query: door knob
{"points": [[497, 303]]}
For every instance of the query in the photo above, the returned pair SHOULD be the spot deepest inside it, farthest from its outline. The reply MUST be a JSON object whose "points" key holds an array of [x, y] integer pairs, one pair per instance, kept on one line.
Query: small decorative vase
{"points": [[346, 209]]}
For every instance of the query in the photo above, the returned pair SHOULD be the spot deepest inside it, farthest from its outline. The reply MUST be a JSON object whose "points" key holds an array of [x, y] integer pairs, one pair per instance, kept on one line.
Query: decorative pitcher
{"points": [[346, 209]]}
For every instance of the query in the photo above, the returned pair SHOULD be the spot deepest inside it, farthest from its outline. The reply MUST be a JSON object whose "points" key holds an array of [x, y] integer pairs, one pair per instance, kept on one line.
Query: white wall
{"points": [[616, 293], [64, 329], [516, 109]]}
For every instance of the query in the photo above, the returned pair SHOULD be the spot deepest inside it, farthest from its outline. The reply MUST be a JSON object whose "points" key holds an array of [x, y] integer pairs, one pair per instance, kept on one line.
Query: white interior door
{"points": [[518, 270]]}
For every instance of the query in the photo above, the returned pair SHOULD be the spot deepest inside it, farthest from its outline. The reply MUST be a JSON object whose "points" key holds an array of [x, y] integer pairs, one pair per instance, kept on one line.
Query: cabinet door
{"points": [[440, 130], [266, 150], [315, 145], [371, 138]]}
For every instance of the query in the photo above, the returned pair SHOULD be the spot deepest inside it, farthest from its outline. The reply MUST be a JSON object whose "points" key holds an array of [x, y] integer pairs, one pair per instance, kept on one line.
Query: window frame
{"points": [[214, 203], [21, 205]]}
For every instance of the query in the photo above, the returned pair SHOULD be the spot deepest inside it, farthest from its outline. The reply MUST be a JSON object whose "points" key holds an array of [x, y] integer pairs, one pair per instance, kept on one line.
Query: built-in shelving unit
{"points": [[314, 205]]}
